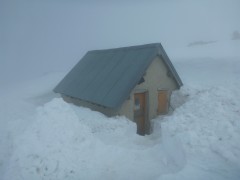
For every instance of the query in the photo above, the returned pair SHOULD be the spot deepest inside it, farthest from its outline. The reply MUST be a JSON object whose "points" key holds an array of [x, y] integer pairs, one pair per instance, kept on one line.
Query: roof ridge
{"points": [[151, 45]]}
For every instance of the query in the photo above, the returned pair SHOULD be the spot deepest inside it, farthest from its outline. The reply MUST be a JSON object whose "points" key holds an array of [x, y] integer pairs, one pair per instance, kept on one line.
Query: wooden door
{"points": [[140, 112], [163, 101]]}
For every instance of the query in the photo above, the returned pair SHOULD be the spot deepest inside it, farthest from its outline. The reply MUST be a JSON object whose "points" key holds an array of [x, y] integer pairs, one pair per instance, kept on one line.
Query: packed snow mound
{"points": [[68, 142], [209, 120]]}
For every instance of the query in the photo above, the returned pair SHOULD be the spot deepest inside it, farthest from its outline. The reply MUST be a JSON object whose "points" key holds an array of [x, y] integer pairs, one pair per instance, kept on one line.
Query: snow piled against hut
{"points": [[44, 138]]}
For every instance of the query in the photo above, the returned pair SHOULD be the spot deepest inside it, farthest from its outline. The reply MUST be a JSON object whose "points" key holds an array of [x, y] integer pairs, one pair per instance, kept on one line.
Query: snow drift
{"points": [[42, 137]]}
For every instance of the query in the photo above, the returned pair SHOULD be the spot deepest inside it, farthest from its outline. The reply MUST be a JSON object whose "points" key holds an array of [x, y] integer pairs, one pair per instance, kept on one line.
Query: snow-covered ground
{"points": [[44, 138]]}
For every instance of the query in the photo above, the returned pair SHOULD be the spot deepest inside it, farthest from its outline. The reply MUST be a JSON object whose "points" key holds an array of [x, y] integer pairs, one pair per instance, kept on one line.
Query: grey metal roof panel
{"points": [[106, 77]]}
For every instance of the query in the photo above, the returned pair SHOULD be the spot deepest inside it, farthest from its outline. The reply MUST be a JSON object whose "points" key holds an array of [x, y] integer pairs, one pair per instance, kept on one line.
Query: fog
{"points": [[42, 36]]}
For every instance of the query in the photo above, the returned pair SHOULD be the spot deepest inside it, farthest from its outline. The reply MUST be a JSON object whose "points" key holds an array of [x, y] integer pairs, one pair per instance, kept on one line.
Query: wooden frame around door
{"points": [[141, 112]]}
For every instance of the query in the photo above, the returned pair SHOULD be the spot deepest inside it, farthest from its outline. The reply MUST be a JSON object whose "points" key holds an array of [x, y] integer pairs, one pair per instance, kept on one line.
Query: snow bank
{"points": [[68, 142], [210, 119], [207, 124]]}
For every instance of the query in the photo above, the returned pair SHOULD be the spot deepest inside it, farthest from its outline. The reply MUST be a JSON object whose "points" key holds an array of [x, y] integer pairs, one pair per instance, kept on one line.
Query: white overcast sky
{"points": [[41, 36]]}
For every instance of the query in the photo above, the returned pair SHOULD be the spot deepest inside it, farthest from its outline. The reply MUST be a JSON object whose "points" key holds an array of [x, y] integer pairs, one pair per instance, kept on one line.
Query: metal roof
{"points": [[107, 77]]}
